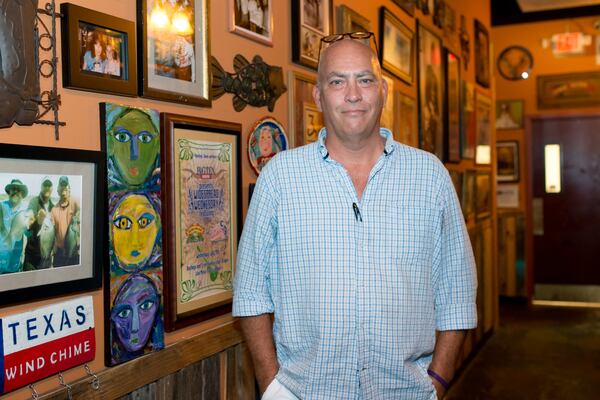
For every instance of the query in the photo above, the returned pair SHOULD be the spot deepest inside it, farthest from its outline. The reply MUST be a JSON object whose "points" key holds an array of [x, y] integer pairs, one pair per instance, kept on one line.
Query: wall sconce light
{"points": [[552, 168], [483, 154]]}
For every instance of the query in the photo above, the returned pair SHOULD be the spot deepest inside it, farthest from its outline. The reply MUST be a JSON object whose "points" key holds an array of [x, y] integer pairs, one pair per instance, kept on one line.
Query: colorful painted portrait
{"points": [[266, 139]]}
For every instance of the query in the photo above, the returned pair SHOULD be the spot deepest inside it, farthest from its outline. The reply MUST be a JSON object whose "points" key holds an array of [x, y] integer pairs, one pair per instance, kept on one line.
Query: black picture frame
{"points": [[482, 54], [452, 110], [395, 37], [167, 81], [306, 34], [114, 70], [85, 171], [408, 6]]}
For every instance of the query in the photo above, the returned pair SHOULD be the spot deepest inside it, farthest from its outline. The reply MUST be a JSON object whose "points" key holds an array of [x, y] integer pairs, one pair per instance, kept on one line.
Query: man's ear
{"points": [[316, 92], [385, 88]]}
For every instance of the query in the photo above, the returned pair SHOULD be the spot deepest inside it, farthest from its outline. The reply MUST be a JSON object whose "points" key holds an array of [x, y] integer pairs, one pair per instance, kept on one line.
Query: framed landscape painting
{"points": [[397, 48]]}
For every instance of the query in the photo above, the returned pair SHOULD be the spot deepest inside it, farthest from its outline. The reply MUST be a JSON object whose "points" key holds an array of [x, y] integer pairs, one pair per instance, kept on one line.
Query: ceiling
{"points": [[544, 5], [506, 12]]}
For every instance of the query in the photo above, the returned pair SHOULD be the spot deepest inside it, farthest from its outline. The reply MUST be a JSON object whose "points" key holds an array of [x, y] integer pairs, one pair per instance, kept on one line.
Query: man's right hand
{"points": [[40, 216]]}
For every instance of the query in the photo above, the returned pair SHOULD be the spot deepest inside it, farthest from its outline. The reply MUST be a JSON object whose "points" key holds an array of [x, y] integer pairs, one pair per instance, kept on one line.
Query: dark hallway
{"points": [[538, 352]]}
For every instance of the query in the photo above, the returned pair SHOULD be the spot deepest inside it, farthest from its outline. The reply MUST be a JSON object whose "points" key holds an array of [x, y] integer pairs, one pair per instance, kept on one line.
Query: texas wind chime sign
{"points": [[40, 343], [134, 293]]}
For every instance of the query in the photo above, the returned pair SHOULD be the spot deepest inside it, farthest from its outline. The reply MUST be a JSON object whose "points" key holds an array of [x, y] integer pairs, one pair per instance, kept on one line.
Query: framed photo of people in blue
{"points": [[51, 221]]}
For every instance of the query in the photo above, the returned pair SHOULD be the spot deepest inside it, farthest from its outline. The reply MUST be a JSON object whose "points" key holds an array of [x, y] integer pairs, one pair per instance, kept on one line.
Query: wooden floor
{"points": [[539, 352]]}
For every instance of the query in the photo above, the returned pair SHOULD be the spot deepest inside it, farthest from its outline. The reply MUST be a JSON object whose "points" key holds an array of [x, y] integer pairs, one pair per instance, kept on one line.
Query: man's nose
{"points": [[353, 93]]}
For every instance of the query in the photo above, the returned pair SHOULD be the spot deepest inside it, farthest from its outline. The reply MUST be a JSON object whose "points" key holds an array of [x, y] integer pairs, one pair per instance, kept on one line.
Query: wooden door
{"points": [[566, 225]]}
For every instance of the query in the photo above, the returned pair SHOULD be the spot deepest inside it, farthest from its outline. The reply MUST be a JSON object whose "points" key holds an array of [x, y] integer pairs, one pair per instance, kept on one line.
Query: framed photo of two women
{"points": [[312, 20]]}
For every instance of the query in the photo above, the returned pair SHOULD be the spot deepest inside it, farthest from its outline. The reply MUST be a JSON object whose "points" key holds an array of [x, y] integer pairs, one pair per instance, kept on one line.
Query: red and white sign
{"points": [[45, 341], [569, 43]]}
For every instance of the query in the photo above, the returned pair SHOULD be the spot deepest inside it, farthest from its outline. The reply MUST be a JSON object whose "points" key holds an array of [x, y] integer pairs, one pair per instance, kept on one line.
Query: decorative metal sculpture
{"points": [[20, 96], [258, 84], [464, 42]]}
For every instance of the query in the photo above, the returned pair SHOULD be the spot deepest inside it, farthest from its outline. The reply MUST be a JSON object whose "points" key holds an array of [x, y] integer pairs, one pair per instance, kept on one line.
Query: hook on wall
{"points": [[34, 393], [95, 381], [61, 381]]}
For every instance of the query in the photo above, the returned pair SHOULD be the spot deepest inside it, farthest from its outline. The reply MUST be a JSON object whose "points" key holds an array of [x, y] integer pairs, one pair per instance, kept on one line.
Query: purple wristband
{"points": [[438, 378]]}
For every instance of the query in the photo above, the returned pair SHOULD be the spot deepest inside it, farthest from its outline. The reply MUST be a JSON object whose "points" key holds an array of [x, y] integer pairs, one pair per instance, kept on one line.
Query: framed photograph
{"points": [[300, 98], [349, 20], [266, 138], [201, 174], [252, 19], [388, 114], [482, 55], [52, 222], [313, 122], [483, 129], [134, 271], [467, 121], [431, 92], [507, 154], [509, 114], [174, 56], [397, 50], [408, 124], [457, 181], [311, 21], [407, 5], [468, 195], [98, 51], [580, 89], [452, 107], [483, 194]]}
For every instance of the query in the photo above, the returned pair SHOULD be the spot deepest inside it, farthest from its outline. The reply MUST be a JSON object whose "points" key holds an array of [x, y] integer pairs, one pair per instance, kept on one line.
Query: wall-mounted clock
{"points": [[515, 63]]}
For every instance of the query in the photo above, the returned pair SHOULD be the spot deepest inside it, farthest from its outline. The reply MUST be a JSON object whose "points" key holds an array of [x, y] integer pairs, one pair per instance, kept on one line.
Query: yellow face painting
{"points": [[134, 228]]}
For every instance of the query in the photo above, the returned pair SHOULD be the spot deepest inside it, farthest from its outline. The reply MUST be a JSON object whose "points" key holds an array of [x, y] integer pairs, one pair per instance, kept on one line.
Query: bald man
{"points": [[355, 247]]}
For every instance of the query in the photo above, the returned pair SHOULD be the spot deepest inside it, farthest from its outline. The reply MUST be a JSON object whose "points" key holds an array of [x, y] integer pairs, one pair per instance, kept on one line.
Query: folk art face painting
{"points": [[135, 228], [133, 145], [134, 312]]}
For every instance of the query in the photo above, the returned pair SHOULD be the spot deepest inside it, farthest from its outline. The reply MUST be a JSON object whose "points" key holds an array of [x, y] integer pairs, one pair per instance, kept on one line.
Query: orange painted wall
{"points": [[79, 109]]}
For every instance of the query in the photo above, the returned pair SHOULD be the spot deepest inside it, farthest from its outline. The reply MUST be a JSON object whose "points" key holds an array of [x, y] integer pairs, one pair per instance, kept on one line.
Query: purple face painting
{"points": [[134, 311]]}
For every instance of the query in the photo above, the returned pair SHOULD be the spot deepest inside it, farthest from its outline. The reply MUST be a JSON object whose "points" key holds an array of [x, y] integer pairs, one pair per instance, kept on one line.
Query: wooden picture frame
{"points": [[407, 6], [580, 89], [408, 126], [431, 91], [468, 195], [509, 114], [312, 20], [482, 54], [457, 182], [41, 266], [300, 87], [507, 158], [483, 129], [200, 232], [349, 20], [252, 23], [467, 121], [483, 195], [452, 108], [389, 117], [174, 59], [397, 50], [86, 32], [312, 122]]}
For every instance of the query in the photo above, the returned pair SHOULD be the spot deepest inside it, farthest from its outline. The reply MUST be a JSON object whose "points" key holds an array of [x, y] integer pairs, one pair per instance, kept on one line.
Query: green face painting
{"points": [[133, 145]]}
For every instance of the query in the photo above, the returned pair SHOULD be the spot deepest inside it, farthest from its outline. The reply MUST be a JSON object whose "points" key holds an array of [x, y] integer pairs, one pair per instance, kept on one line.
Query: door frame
{"points": [[529, 258]]}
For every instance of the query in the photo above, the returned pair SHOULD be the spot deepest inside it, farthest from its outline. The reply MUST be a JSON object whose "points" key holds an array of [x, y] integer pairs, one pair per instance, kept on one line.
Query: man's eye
{"points": [[336, 82], [367, 81]]}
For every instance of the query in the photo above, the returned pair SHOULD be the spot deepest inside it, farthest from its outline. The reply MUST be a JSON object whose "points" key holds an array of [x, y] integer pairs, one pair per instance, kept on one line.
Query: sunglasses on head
{"points": [[359, 35]]}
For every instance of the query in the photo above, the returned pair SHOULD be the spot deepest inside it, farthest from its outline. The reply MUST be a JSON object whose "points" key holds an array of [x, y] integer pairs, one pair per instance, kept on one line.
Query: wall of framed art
{"points": [[178, 88]]}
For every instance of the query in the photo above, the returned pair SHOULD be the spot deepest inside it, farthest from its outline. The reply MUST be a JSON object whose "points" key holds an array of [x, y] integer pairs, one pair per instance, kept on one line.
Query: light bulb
{"points": [[181, 23], [158, 18]]}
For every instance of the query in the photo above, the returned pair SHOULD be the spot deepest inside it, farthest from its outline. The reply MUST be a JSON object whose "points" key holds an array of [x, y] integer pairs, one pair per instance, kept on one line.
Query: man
{"points": [[357, 245], [16, 192], [41, 207], [65, 216]]}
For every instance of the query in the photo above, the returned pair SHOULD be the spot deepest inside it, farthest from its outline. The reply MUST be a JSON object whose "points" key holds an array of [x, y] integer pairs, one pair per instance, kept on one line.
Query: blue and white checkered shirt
{"points": [[357, 294]]}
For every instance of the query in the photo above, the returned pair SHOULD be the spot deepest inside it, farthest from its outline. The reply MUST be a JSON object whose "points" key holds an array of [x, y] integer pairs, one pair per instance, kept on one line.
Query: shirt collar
{"points": [[388, 149]]}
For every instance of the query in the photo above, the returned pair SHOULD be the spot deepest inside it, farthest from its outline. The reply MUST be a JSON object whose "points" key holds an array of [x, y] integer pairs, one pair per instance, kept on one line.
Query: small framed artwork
{"points": [[300, 98], [312, 20], [580, 89], [408, 124], [509, 114], [98, 51], [431, 92], [483, 194], [467, 121], [507, 154], [52, 226], [174, 56], [452, 106], [482, 55], [468, 195], [483, 129], [407, 5], [313, 122], [457, 181], [201, 174], [349, 20], [388, 114], [397, 51], [266, 138], [252, 19]]}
